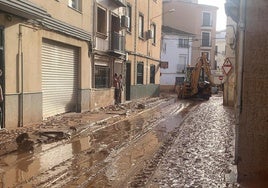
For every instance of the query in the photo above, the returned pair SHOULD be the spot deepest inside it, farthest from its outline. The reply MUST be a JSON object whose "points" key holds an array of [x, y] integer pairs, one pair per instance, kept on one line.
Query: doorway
{"points": [[128, 80]]}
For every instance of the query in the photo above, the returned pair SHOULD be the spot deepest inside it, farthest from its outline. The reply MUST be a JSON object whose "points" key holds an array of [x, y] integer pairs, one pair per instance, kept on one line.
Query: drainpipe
{"points": [[20, 76], [148, 43], [240, 61], [93, 44], [135, 44], [241, 27], [20, 73]]}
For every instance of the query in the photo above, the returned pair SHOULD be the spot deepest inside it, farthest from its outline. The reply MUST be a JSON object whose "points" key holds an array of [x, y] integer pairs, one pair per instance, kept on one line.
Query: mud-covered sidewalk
{"points": [[67, 125]]}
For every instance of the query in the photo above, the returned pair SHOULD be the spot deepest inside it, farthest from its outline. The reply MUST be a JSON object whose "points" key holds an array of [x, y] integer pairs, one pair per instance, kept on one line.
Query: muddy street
{"points": [[178, 143]]}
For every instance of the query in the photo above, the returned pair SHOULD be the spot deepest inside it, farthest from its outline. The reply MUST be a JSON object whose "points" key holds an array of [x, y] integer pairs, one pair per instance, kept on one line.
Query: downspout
{"points": [[20, 73], [240, 61], [148, 41], [135, 45], [20, 76], [93, 44]]}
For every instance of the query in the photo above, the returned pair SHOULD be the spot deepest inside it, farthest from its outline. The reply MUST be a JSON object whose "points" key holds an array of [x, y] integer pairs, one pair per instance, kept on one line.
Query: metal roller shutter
{"points": [[59, 78]]}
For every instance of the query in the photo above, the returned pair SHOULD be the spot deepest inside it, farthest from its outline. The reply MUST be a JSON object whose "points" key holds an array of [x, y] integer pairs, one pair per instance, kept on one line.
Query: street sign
{"points": [[227, 66]]}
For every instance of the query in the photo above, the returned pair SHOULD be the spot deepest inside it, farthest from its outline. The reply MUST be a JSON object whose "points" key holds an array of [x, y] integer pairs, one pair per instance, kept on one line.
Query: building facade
{"points": [[197, 19], [143, 37], [251, 101], [108, 50], [55, 61], [44, 58], [176, 54]]}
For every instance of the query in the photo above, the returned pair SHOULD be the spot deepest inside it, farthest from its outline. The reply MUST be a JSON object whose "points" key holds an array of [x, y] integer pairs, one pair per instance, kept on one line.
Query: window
{"points": [[153, 29], [76, 4], [207, 19], [102, 21], [152, 74], [128, 14], [102, 76], [183, 43], [206, 39], [140, 69], [182, 63], [141, 25]]}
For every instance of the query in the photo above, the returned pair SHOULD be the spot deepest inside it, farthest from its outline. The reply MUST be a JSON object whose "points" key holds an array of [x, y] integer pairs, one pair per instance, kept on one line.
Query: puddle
{"points": [[87, 156]]}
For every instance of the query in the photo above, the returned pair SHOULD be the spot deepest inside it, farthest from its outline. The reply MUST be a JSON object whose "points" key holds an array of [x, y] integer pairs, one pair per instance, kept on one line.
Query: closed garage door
{"points": [[59, 78]]}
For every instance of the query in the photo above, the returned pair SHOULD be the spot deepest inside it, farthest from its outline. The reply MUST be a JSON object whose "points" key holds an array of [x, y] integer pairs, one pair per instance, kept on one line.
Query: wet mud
{"points": [[159, 146]]}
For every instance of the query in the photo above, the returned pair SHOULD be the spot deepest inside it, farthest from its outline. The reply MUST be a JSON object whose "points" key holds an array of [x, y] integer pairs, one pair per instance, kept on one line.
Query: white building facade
{"points": [[175, 57]]}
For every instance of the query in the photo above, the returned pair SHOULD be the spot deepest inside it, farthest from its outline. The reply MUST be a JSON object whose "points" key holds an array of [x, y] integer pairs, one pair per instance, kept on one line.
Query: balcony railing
{"points": [[117, 44], [120, 3], [114, 43]]}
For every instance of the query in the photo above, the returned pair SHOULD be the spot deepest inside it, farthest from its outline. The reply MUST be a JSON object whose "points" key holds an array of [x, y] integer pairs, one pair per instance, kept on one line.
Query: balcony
{"points": [[119, 3], [117, 44]]}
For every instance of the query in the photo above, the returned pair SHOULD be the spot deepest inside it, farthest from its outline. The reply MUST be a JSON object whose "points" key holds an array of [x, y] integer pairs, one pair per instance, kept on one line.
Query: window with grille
{"points": [[206, 39], [140, 70], [207, 19], [102, 21], [102, 76], [183, 43], [152, 74]]}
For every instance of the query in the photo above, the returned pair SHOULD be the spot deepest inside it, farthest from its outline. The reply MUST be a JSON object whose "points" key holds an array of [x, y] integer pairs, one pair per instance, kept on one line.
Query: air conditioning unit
{"points": [[149, 34], [125, 21]]}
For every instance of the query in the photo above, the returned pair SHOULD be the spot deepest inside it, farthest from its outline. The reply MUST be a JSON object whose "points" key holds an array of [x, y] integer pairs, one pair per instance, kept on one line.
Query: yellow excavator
{"points": [[198, 81]]}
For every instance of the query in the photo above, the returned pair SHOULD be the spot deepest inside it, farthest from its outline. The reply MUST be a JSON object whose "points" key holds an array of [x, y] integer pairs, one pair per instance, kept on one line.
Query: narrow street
{"points": [[176, 143]]}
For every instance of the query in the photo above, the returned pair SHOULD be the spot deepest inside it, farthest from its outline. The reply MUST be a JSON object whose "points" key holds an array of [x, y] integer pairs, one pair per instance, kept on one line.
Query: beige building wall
{"points": [[188, 17], [62, 11], [23, 67], [142, 49]]}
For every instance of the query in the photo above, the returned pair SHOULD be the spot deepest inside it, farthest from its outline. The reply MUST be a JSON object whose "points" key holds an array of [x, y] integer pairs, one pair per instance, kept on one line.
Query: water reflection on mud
{"points": [[94, 158]]}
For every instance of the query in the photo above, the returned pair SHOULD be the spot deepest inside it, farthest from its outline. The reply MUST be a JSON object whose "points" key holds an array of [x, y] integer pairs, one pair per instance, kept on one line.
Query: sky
{"points": [[221, 17]]}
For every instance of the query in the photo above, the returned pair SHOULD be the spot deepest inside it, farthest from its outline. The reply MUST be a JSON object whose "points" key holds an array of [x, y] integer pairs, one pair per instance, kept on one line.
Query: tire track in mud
{"points": [[145, 174], [100, 180], [86, 168]]}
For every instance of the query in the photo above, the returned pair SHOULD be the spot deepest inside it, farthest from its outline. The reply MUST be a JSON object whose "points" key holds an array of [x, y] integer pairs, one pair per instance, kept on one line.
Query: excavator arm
{"points": [[206, 67], [195, 77], [202, 63]]}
